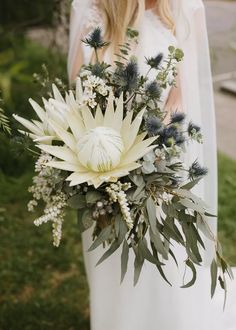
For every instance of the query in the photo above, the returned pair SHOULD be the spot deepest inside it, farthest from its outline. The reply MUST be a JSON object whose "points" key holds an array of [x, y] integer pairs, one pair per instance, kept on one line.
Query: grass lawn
{"points": [[43, 287]]}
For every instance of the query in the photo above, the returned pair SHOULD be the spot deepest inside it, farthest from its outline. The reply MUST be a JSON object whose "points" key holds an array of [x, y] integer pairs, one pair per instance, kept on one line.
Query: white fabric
{"points": [[152, 304]]}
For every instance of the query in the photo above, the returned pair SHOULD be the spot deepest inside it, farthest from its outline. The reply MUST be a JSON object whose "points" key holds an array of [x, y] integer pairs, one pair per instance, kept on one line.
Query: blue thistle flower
{"points": [[154, 62], [127, 76], [171, 135], [153, 90], [95, 39], [193, 128], [197, 171], [177, 117], [153, 125]]}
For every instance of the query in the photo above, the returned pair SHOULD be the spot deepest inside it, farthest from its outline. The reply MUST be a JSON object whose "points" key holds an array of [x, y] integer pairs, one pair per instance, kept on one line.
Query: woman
{"points": [[153, 304]]}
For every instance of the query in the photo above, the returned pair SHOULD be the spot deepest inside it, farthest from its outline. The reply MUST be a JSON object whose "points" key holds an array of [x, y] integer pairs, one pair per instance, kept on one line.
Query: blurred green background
{"points": [[42, 287]]}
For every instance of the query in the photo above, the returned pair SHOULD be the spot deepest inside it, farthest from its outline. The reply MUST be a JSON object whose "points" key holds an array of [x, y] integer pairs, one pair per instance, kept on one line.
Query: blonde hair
{"points": [[118, 15]]}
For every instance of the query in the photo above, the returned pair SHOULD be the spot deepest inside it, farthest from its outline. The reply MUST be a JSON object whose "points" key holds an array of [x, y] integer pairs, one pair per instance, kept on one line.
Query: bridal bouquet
{"points": [[109, 151]]}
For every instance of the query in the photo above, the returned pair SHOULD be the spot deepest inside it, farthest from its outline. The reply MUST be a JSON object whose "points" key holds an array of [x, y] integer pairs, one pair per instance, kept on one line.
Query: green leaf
{"points": [[87, 219], [93, 196], [203, 227], [123, 229], [77, 202], [138, 263], [188, 194], [158, 243], [171, 230], [151, 209], [191, 205], [146, 252], [159, 265], [114, 246], [191, 184], [191, 241], [214, 270], [194, 273], [80, 213], [124, 260], [139, 193], [224, 287], [102, 237]]}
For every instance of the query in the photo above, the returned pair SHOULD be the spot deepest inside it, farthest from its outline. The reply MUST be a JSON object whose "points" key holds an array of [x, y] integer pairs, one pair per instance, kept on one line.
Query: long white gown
{"points": [[153, 304]]}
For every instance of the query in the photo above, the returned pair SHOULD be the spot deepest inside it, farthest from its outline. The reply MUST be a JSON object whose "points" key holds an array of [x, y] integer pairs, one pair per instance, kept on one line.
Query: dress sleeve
{"points": [[83, 18]]}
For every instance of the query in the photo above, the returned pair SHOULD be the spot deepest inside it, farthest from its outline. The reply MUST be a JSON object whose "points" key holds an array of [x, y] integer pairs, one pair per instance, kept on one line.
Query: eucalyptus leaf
{"points": [[138, 263], [80, 213], [191, 184], [147, 253], [102, 237], [191, 205], [157, 241], [151, 209], [170, 230], [123, 229], [191, 241], [87, 219], [114, 246], [214, 270], [124, 260], [188, 194], [194, 273], [203, 227], [77, 201], [159, 265], [93, 196]]}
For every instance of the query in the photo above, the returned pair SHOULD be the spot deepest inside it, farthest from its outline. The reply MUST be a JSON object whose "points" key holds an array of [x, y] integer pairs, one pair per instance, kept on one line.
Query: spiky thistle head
{"points": [[171, 135], [127, 75], [153, 90], [154, 62], [177, 117], [95, 39], [193, 128], [153, 125], [196, 171]]}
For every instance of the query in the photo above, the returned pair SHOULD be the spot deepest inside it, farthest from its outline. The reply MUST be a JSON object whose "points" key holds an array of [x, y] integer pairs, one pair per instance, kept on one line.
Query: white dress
{"points": [[152, 304]]}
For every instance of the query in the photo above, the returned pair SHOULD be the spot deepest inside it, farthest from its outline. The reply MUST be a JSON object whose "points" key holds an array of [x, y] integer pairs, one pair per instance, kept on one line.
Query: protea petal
{"points": [[138, 151], [76, 124], [57, 94], [112, 176], [65, 136], [78, 178], [133, 132], [99, 116], [47, 139], [140, 137], [39, 111], [109, 113], [118, 115], [28, 124], [63, 153], [89, 121], [79, 89], [125, 129], [65, 166]]}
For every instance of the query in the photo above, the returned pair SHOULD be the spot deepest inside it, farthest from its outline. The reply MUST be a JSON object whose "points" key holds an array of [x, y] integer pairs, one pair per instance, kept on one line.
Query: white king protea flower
{"points": [[99, 148], [55, 109]]}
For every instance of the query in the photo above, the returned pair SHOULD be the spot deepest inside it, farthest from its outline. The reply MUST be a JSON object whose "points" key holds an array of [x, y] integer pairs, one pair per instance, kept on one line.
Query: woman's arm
{"points": [[174, 101], [77, 63]]}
